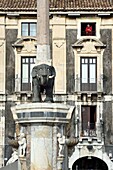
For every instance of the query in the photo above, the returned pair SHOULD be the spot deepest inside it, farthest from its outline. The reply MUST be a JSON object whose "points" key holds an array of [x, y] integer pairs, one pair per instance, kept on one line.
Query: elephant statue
{"points": [[43, 81]]}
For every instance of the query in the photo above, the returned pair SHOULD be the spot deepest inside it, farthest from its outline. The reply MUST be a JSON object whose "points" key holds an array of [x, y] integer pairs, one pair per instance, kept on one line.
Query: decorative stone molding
{"points": [[71, 141], [27, 44], [47, 123], [89, 45]]}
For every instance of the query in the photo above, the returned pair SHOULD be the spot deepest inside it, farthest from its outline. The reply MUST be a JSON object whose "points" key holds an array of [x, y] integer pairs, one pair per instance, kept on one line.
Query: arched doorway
{"points": [[89, 163]]}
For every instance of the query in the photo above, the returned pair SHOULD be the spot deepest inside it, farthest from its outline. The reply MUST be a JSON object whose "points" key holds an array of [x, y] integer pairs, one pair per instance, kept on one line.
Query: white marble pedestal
{"points": [[41, 122]]}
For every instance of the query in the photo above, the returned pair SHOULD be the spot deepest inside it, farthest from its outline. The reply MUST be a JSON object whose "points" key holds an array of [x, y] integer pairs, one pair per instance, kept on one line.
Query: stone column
{"points": [[43, 47]]}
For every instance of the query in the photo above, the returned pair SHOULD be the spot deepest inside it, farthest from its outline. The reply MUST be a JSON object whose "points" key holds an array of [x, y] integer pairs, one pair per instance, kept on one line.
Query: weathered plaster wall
{"points": [[71, 38], [27, 130], [106, 38], [50, 41], [9, 128], [107, 113], [11, 37]]}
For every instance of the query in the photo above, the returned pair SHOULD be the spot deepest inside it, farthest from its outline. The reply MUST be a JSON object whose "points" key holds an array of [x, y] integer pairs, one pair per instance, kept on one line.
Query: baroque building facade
{"points": [[83, 62]]}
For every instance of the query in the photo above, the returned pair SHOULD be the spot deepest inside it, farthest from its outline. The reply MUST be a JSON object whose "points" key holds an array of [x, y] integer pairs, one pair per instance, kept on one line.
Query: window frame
{"points": [[88, 120], [89, 85], [26, 86], [28, 31], [84, 25], [88, 20]]}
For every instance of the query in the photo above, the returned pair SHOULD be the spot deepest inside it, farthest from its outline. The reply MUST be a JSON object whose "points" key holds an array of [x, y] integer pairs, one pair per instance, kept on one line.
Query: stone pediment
{"points": [[27, 44], [89, 45]]}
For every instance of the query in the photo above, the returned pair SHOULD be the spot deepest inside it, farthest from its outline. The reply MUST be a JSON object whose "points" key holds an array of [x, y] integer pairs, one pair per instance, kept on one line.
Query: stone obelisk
{"points": [[43, 47]]}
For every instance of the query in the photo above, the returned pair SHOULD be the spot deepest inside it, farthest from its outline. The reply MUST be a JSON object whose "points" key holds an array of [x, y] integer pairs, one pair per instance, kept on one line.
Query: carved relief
{"points": [[22, 145], [59, 44], [27, 45], [14, 157], [89, 45], [61, 142]]}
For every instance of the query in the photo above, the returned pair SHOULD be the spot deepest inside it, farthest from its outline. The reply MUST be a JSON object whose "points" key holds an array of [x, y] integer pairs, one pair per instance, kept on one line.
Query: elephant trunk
{"points": [[43, 79]]}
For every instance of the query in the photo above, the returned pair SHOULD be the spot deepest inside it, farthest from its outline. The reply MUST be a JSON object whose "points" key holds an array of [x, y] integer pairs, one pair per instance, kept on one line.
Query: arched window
{"points": [[89, 163]]}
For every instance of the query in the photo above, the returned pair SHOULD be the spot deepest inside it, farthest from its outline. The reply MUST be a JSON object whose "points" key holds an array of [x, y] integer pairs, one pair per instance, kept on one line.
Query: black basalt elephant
{"points": [[43, 80]]}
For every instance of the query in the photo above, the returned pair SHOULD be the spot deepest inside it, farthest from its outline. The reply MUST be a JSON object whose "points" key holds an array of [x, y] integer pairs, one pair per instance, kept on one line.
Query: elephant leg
{"points": [[36, 91], [49, 96], [49, 91]]}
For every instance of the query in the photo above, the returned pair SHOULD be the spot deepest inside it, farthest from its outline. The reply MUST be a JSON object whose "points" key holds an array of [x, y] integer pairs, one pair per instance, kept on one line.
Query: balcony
{"points": [[88, 129], [89, 84], [22, 85], [91, 129]]}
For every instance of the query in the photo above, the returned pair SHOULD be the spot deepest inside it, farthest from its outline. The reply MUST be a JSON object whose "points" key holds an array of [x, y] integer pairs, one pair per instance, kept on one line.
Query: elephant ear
{"points": [[34, 72], [53, 72]]}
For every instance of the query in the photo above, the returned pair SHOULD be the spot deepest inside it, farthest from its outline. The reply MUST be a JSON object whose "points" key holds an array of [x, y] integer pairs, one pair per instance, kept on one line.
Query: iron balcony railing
{"points": [[23, 84], [88, 84], [88, 129], [19, 84], [91, 129]]}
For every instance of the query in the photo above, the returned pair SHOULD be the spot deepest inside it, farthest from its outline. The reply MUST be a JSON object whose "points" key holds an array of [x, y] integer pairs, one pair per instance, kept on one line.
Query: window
{"points": [[27, 63], [29, 29], [88, 115], [88, 29], [88, 73]]}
